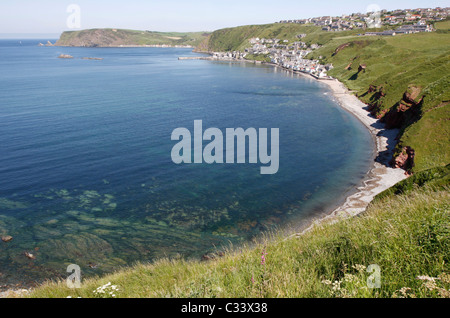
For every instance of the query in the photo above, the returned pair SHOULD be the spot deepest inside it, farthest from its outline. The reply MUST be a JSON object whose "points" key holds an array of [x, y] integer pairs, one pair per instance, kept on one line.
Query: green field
{"points": [[237, 39]]}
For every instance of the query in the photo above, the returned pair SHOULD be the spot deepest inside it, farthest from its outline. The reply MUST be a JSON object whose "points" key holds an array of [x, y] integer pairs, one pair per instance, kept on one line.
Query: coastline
{"points": [[379, 178], [381, 175]]}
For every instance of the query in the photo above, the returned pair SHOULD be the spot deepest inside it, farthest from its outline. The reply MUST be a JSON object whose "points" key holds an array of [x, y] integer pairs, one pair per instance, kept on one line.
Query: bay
{"points": [[86, 175]]}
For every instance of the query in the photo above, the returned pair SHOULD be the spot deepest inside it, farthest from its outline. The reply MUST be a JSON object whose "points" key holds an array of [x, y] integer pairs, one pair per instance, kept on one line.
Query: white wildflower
{"points": [[350, 278], [360, 268], [336, 285], [107, 289], [428, 278]]}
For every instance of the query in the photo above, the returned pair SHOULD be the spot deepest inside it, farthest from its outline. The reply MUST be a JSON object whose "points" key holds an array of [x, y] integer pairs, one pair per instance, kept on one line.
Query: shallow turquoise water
{"points": [[86, 175]]}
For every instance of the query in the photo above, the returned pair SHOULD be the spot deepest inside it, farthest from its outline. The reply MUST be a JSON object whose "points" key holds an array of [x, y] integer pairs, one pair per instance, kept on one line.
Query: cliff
{"points": [[120, 37], [404, 81]]}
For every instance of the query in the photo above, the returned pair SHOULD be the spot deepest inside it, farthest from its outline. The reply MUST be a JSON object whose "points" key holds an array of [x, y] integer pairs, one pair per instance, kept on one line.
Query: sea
{"points": [[86, 174]]}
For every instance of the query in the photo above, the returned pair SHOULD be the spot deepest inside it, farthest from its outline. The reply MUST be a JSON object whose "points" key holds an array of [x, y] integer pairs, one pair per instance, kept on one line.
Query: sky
{"points": [[51, 16]]}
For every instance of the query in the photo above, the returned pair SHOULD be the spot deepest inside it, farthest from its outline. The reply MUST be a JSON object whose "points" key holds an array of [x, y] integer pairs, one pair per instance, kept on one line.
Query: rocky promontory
{"points": [[126, 38]]}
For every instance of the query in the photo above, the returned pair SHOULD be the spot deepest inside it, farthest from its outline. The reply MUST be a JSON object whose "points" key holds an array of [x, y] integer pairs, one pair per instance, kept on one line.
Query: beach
{"points": [[381, 176]]}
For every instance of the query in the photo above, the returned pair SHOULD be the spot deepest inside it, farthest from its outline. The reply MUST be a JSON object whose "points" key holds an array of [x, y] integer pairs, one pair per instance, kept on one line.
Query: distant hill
{"points": [[119, 37], [237, 39]]}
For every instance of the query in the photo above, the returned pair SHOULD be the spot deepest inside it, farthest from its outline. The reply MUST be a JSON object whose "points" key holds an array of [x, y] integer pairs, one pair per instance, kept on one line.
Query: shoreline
{"points": [[381, 175]]}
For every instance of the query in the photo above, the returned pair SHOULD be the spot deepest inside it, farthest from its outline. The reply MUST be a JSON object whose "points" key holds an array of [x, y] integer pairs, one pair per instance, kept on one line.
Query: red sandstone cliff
{"points": [[407, 110]]}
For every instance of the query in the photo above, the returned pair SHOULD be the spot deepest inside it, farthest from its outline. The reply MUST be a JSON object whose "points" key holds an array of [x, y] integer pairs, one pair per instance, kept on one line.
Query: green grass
{"points": [[437, 178], [258, 57], [443, 25], [405, 235], [237, 39], [396, 65]]}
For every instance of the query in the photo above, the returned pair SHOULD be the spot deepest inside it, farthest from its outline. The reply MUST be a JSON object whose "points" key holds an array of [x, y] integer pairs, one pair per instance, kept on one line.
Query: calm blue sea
{"points": [[86, 175]]}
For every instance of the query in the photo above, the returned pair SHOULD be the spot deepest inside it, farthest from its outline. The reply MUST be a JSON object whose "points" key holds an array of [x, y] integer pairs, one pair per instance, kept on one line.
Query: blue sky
{"points": [[50, 16]]}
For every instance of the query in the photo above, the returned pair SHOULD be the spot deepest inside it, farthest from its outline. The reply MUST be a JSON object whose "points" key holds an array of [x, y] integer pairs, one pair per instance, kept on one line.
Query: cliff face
{"points": [[404, 160], [405, 84], [91, 38], [118, 37], [406, 110], [401, 115]]}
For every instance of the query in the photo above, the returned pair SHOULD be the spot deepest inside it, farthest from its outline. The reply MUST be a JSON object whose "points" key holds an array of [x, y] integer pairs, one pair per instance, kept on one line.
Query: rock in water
{"points": [[7, 238], [30, 256], [65, 56]]}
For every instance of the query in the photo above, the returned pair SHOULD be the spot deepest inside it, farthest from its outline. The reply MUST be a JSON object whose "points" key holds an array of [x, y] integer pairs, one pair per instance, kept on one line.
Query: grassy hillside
{"points": [[236, 39], [115, 37], [405, 82], [407, 236]]}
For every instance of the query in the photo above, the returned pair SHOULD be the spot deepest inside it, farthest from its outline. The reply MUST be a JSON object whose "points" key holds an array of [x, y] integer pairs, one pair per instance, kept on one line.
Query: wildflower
{"points": [[350, 278], [360, 268], [263, 257], [336, 285], [405, 292], [430, 285], [445, 278], [107, 289], [427, 278]]}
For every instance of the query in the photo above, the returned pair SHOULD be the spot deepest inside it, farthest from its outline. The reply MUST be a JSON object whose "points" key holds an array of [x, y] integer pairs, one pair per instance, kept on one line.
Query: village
{"points": [[419, 16], [292, 55]]}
